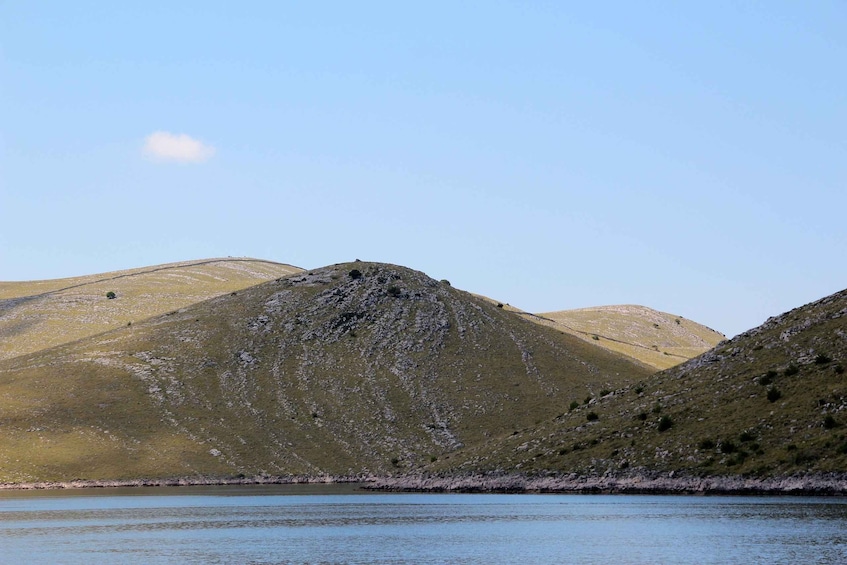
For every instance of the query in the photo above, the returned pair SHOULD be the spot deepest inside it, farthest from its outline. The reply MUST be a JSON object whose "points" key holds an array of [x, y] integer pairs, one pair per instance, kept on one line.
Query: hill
{"points": [[658, 339], [771, 402], [37, 315], [350, 369]]}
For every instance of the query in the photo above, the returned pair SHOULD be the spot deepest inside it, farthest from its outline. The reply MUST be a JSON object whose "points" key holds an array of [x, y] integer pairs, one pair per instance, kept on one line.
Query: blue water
{"points": [[312, 524]]}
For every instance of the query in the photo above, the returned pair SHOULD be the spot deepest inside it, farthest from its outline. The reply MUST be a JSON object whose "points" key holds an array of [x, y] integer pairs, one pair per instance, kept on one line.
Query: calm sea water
{"points": [[325, 524]]}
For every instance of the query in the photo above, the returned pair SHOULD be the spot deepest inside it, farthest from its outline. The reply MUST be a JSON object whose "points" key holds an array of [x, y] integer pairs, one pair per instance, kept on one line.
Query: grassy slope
{"points": [[723, 420], [318, 372], [37, 315], [658, 339]]}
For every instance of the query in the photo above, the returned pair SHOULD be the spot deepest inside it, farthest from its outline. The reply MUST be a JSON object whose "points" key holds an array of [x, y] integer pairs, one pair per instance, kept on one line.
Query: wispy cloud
{"points": [[166, 146]]}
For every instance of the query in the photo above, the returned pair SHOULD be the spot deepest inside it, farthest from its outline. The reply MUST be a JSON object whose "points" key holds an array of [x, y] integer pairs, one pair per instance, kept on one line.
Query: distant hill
{"points": [[356, 368], [658, 339], [36, 315], [771, 402]]}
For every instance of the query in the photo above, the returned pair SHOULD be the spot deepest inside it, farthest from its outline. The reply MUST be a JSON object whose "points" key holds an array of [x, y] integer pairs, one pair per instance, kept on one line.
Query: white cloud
{"points": [[165, 146]]}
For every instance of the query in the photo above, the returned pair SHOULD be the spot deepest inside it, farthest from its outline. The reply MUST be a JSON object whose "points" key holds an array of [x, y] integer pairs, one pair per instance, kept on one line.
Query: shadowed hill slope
{"points": [[37, 315], [348, 369], [770, 402]]}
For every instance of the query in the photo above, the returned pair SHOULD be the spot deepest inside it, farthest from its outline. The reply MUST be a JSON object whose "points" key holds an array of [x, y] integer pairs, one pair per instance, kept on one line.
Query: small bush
{"points": [[774, 394], [587, 400], [595, 337], [395, 461], [393, 291], [592, 417], [791, 370], [355, 274], [665, 423], [767, 378], [574, 405], [642, 416], [822, 359], [728, 446], [746, 435], [839, 369], [639, 389], [657, 409], [433, 458], [445, 281], [605, 392], [829, 422], [111, 295], [706, 444]]}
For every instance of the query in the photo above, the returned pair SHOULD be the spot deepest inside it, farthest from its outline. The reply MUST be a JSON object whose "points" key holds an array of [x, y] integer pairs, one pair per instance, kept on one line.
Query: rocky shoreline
{"points": [[830, 484], [187, 481]]}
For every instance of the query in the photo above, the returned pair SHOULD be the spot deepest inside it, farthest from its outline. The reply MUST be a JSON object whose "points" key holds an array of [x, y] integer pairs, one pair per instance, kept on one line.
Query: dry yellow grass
{"points": [[36, 315], [656, 339]]}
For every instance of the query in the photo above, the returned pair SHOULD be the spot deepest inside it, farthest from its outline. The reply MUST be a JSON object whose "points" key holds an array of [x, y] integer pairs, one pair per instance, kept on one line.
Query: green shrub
{"points": [[767, 378], [829, 422], [605, 392], [355, 274], [587, 400], [822, 359], [592, 417], [791, 370], [574, 405], [839, 369], [746, 435], [393, 291], [445, 281], [728, 446], [639, 389], [665, 423], [642, 416], [595, 337], [657, 408], [774, 394], [111, 295], [706, 444]]}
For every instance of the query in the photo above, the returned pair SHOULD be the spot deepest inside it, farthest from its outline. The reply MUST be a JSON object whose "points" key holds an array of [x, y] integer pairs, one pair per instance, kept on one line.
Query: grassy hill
{"points": [[770, 402], [658, 339], [349, 369], [36, 315]]}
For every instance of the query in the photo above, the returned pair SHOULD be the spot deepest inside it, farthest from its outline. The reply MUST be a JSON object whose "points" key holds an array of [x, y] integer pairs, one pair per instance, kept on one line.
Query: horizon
{"points": [[689, 159]]}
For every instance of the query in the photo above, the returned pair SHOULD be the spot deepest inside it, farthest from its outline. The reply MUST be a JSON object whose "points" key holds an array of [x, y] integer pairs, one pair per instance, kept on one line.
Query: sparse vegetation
{"points": [[822, 359], [665, 423]]}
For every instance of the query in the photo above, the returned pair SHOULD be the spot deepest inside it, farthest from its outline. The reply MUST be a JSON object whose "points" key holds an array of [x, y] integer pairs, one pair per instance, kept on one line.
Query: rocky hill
{"points": [[350, 369], [771, 402], [36, 315]]}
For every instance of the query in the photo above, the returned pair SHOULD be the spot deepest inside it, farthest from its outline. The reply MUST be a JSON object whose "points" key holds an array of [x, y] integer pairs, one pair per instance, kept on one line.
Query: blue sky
{"points": [[690, 157]]}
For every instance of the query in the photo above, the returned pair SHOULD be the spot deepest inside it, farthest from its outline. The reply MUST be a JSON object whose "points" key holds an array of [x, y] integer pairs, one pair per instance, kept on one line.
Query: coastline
{"points": [[186, 482], [829, 484]]}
